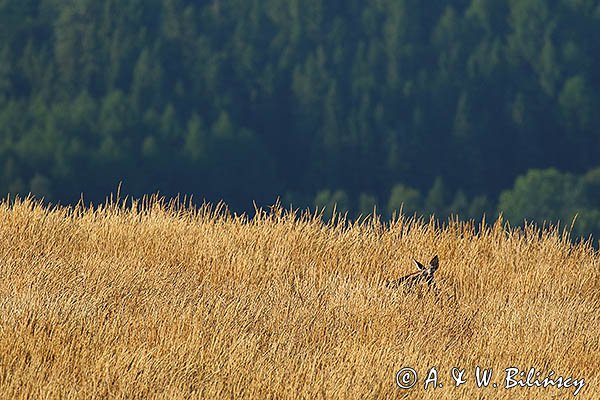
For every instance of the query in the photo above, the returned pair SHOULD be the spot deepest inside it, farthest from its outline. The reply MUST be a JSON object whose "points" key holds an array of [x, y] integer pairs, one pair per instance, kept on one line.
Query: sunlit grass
{"points": [[160, 299]]}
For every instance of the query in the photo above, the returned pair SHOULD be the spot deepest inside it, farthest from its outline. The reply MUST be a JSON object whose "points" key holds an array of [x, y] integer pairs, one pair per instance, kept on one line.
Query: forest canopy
{"points": [[465, 107]]}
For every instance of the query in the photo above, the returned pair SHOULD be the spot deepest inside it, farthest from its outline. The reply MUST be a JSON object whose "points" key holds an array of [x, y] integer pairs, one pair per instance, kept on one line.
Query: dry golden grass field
{"points": [[160, 300]]}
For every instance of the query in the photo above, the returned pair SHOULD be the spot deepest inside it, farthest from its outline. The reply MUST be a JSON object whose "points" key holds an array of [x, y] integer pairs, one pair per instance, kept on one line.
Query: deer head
{"points": [[424, 274]]}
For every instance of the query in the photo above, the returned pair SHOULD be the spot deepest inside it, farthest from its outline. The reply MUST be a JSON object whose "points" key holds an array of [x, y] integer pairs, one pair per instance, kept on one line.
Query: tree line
{"points": [[444, 107]]}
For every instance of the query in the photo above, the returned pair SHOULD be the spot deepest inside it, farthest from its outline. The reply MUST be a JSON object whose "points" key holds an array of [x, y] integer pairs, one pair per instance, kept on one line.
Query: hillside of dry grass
{"points": [[162, 300]]}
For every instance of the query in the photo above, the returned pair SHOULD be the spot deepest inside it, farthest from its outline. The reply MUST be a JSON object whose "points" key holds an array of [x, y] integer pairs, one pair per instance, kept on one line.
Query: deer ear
{"points": [[434, 263], [418, 265]]}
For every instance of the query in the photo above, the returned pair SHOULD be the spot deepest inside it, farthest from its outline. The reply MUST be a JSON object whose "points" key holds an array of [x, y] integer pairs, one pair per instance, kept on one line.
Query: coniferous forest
{"points": [[466, 107]]}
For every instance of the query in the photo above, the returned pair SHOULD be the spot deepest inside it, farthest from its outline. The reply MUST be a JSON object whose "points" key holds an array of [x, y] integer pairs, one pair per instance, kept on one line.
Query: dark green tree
{"points": [[543, 195], [406, 199]]}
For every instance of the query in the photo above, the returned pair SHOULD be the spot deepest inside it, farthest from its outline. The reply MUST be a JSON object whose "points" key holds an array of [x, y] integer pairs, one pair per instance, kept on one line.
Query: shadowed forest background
{"points": [[465, 107]]}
